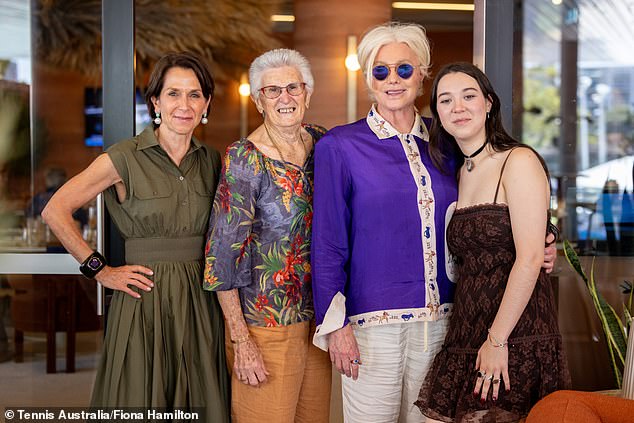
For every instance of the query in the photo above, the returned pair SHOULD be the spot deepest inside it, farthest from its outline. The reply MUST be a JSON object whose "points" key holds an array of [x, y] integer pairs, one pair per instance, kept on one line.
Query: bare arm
{"points": [[527, 194], [58, 214], [248, 363]]}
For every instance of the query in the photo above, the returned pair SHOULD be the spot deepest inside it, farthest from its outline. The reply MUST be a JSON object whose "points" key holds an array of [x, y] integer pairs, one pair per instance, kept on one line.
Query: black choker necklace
{"points": [[468, 160]]}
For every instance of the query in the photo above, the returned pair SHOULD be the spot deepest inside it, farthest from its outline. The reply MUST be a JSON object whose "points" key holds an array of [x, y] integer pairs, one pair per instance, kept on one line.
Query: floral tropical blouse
{"points": [[259, 236]]}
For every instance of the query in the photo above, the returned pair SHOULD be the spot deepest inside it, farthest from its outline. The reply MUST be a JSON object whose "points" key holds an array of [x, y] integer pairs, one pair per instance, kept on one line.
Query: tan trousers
{"points": [[299, 381]]}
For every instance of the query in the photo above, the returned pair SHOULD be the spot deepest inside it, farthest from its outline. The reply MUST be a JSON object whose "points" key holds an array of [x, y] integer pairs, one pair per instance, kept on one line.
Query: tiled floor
{"points": [[28, 385]]}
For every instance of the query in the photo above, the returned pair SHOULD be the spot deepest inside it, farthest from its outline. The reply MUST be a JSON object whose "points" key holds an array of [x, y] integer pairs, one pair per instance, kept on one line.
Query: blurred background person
{"points": [[54, 179]]}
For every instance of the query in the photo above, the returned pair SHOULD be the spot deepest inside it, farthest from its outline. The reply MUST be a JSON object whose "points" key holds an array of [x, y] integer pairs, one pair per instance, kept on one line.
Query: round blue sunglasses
{"points": [[404, 71]]}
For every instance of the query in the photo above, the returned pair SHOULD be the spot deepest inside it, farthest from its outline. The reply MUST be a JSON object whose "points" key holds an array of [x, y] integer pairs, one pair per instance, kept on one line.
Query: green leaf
{"points": [[271, 262], [613, 328], [212, 286], [610, 321], [573, 259], [237, 197], [277, 299]]}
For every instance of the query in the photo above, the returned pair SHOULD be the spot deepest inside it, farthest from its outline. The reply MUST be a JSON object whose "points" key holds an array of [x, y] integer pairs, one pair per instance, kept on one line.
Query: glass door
{"points": [[578, 112], [570, 95], [50, 129]]}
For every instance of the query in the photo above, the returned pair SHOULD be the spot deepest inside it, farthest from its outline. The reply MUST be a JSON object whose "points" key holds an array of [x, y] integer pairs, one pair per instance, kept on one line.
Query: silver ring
{"points": [[355, 361], [490, 377], [481, 374]]}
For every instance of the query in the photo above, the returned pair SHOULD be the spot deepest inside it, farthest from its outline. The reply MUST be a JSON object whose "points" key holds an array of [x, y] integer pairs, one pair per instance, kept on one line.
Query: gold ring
{"points": [[496, 381]]}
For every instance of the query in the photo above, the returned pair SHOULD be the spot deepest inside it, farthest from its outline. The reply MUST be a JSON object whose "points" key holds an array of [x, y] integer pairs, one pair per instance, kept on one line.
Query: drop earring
{"points": [[157, 119], [487, 115], [204, 120]]}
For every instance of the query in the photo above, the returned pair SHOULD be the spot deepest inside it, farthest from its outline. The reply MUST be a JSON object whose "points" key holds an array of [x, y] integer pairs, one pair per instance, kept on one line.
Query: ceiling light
{"points": [[433, 6], [283, 18], [352, 62], [244, 89]]}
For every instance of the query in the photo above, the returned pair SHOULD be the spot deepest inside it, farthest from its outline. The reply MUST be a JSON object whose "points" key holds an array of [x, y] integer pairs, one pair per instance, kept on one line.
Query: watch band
{"points": [[93, 265]]}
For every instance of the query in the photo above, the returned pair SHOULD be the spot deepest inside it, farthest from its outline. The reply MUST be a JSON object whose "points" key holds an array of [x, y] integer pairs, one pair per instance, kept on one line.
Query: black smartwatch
{"points": [[92, 265]]}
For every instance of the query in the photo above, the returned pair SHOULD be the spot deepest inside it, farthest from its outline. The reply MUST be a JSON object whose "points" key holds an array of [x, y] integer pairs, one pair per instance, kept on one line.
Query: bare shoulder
{"points": [[524, 173], [523, 159]]}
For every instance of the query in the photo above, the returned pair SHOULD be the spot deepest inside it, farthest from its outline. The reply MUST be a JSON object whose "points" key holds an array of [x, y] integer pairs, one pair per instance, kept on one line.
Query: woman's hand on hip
{"points": [[248, 364], [119, 278], [344, 351]]}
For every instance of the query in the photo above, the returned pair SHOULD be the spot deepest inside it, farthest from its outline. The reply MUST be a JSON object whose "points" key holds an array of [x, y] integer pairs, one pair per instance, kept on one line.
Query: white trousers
{"points": [[395, 359]]}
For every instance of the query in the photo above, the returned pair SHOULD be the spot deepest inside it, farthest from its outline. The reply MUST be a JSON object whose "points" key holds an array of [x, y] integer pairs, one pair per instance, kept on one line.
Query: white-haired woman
{"points": [[258, 252], [382, 278]]}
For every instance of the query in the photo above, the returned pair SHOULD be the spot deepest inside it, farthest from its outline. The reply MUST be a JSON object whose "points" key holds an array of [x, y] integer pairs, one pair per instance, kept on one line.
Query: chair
{"points": [[51, 303], [581, 407]]}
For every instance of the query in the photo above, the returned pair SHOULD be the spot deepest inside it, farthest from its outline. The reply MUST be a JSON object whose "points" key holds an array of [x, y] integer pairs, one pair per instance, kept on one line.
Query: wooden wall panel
{"points": [[321, 31]]}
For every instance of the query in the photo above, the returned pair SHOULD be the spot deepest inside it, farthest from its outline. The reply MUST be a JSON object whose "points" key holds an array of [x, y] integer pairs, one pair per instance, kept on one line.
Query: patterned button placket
{"points": [[425, 198], [426, 210]]}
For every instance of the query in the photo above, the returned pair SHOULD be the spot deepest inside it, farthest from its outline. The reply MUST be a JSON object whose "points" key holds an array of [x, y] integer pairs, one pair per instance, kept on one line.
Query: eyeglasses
{"points": [[273, 91], [404, 71]]}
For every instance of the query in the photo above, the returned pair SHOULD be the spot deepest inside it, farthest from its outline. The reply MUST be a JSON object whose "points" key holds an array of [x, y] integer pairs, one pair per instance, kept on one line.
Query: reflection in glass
{"points": [[41, 131], [41, 147], [15, 138], [602, 158]]}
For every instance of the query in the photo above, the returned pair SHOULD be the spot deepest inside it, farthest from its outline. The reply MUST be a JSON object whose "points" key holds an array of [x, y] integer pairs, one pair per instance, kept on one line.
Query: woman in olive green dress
{"points": [[164, 341]]}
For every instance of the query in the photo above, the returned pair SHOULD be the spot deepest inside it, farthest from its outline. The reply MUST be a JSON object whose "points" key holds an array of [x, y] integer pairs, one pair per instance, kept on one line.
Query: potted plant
{"points": [[620, 350]]}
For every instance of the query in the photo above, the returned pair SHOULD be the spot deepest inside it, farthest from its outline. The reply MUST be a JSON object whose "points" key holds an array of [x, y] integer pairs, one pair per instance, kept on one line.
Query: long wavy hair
{"points": [[441, 143]]}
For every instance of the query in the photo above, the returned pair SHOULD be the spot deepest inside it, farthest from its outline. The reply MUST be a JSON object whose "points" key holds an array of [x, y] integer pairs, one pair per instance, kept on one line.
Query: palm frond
{"points": [[227, 33]]}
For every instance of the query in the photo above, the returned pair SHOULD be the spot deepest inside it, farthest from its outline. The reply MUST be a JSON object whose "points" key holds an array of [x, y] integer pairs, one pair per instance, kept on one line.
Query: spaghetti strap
{"points": [[497, 189]]}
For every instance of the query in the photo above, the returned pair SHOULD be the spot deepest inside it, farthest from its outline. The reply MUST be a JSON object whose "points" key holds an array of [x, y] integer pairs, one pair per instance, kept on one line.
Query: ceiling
{"points": [[15, 38], [606, 28], [605, 32], [438, 20], [432, 20]]}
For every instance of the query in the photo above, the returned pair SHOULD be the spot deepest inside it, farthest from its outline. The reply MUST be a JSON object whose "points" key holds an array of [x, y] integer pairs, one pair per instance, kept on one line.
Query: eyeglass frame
{"points": [[300, 84], [394, 66]]}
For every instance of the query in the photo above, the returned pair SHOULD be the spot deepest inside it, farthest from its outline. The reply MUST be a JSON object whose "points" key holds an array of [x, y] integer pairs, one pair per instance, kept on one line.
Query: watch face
{"points": [[94, 263]]}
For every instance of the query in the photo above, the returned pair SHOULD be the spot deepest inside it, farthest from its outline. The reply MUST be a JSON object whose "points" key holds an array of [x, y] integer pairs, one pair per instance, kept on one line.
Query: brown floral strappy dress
{"points": [[481, 238]]}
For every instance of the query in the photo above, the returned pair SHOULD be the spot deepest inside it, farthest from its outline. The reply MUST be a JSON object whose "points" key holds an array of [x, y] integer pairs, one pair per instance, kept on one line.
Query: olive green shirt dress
{"points": [[167, 348]]}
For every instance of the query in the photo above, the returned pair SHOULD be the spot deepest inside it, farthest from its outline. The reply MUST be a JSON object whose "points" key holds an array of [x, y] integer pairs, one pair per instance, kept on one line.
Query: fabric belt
{"points": [[149, 250]]}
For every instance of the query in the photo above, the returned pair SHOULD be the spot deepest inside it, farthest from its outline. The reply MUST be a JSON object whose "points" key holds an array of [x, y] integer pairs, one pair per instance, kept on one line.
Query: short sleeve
{"points": [[229, 239], [120, 162]]}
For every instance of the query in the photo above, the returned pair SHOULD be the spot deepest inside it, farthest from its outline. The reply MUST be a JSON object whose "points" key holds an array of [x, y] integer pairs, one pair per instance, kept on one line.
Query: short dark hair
{"points": [[185, 60]]}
